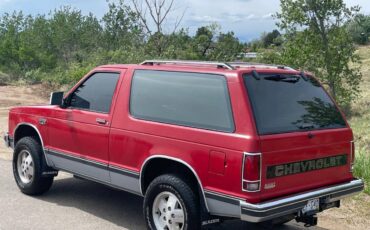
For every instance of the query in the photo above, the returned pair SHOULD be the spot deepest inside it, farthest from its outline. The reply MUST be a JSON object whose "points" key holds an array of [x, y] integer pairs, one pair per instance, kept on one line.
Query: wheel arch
{"points": [[149, 161], [24, 129]]}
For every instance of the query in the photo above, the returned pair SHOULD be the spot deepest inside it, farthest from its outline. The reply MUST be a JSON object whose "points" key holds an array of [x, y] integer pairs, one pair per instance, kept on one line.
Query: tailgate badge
{"points": [[270, 185]]}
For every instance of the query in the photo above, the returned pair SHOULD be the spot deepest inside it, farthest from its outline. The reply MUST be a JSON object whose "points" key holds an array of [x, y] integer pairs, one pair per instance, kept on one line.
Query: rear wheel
{"points": [[27, 167], [171, 204]]}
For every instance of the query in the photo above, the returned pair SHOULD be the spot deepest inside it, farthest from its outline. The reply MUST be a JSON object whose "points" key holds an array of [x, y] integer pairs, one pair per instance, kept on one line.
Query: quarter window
{"points": [[188, 99], [95, 93]]}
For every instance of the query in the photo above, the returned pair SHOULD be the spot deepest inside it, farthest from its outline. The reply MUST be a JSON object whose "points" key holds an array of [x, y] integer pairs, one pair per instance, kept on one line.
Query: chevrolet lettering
{"points": [[305, 166]]}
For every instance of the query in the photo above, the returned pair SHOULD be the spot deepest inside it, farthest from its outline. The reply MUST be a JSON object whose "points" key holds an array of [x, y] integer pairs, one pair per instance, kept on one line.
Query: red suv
{"points": [[200, 141]]}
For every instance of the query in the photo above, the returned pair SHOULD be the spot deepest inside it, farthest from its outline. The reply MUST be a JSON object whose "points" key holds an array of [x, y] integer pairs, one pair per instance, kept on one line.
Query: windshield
{"points": [[289, 103]]}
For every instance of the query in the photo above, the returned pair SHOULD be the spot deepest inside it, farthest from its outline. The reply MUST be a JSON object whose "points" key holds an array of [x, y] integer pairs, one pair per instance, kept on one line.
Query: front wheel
{"points": [[170, 204], [27, 167]]}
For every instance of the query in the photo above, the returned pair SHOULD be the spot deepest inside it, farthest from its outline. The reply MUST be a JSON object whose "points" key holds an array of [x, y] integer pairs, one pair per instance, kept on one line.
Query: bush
{"points": [[4, 79], [34, 76]]}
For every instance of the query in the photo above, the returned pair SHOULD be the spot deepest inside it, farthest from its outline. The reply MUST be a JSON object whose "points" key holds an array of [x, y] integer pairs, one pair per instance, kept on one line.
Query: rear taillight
{"points": [[352, 163], [251, 181]]}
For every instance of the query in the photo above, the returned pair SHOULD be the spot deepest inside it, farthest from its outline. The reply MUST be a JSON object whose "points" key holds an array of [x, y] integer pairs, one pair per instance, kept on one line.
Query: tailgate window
{"points": [[289, 103]]}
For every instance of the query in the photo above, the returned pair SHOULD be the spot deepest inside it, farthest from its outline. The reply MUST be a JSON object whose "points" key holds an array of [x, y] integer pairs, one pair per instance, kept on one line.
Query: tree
{"points": [[204, 40], [317, 41], [122, 28], [227, 47], [270, 38], [10, 27], [359, 28], [36, 49], [154, 24]]}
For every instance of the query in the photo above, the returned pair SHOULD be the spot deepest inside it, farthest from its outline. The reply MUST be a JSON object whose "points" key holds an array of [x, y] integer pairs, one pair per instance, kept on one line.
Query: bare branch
{"points": [[142, 15], [167, 11], [179, 20], [150, 10]]}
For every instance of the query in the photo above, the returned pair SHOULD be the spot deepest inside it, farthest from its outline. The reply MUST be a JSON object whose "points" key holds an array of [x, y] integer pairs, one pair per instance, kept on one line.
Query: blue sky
{"points": [[247, 18]]}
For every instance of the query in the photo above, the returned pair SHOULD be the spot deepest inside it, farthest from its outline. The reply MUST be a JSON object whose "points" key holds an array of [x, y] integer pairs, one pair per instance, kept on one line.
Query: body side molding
{"points": [[115, 177]]}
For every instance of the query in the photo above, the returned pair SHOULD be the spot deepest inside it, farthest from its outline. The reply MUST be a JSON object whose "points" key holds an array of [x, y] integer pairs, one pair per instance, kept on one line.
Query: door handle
{"points": [[101, 121]]}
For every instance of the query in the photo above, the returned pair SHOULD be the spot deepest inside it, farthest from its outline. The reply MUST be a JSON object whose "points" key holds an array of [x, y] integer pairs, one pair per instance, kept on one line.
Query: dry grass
{"points": [[360, 121]]}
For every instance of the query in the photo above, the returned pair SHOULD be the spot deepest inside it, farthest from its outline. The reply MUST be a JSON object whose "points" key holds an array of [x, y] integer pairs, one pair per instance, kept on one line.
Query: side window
{"points": [[188, 99], [95, 93]]}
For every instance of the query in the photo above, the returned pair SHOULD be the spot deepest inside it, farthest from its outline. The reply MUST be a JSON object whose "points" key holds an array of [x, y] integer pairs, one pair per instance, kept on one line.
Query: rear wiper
{"points": [[284, 78], [256, 75]]}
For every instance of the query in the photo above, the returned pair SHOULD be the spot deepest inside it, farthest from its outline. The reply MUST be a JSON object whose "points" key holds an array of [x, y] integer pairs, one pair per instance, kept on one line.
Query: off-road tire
{"points": [[39, 184], [185, 194]]}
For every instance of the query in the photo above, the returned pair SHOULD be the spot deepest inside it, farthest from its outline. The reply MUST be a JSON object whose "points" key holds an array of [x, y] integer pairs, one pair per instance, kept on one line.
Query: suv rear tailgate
{"points": [[304, 139], [298, 162]]}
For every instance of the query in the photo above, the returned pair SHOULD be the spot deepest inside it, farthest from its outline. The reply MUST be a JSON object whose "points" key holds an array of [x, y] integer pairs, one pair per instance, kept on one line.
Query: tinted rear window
{"points": [[187, 99], [289, 103]]}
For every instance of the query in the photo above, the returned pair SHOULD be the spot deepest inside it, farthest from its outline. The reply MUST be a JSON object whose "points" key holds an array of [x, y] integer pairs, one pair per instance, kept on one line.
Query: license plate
{"points": [[312, 205]]}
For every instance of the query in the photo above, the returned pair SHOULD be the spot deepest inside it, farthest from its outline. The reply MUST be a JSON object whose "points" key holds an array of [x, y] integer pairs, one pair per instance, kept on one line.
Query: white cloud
{"points": [[268, 16], [204, 19]]}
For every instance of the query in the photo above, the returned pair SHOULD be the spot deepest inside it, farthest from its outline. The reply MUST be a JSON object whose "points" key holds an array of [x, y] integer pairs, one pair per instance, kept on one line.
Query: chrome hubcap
{"points": [[168, 214], [25, 166]]}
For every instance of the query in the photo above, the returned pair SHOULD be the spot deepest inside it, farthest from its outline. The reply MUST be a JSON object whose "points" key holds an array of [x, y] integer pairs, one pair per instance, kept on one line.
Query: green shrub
{"points": [[4, 79], [34, 76]]}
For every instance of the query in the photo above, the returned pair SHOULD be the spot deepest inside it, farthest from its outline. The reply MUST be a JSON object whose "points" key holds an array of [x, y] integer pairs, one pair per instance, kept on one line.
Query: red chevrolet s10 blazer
{"points": [[200, 141]]}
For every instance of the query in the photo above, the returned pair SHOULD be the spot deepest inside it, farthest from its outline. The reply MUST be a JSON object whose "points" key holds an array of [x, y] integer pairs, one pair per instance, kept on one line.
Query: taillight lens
{"points": [[352, 155], [251, 180]]}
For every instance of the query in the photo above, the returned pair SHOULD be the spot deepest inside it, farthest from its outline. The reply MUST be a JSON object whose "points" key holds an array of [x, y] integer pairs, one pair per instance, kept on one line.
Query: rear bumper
{"points": [[8, 140], [294, 204]]}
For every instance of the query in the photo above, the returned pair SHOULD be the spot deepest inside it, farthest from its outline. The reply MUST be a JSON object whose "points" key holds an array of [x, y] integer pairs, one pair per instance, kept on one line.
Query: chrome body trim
{"points": [[242, 175], [294, 204], [352, 161], [179, 161], [38, 133]]}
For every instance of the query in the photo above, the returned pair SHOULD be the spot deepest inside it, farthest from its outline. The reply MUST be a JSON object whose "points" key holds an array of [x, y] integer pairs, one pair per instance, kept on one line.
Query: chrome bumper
{"points": [[294, 204], [8, 140]]}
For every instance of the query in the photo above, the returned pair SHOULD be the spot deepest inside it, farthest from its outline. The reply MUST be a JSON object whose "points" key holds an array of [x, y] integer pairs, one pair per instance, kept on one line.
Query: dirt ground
{"points": [[11, 96], [353, 214]]}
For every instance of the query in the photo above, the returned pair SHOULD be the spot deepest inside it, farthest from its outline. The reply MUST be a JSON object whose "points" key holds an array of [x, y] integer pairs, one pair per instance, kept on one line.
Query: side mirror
{"points": [[56, 98]]}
